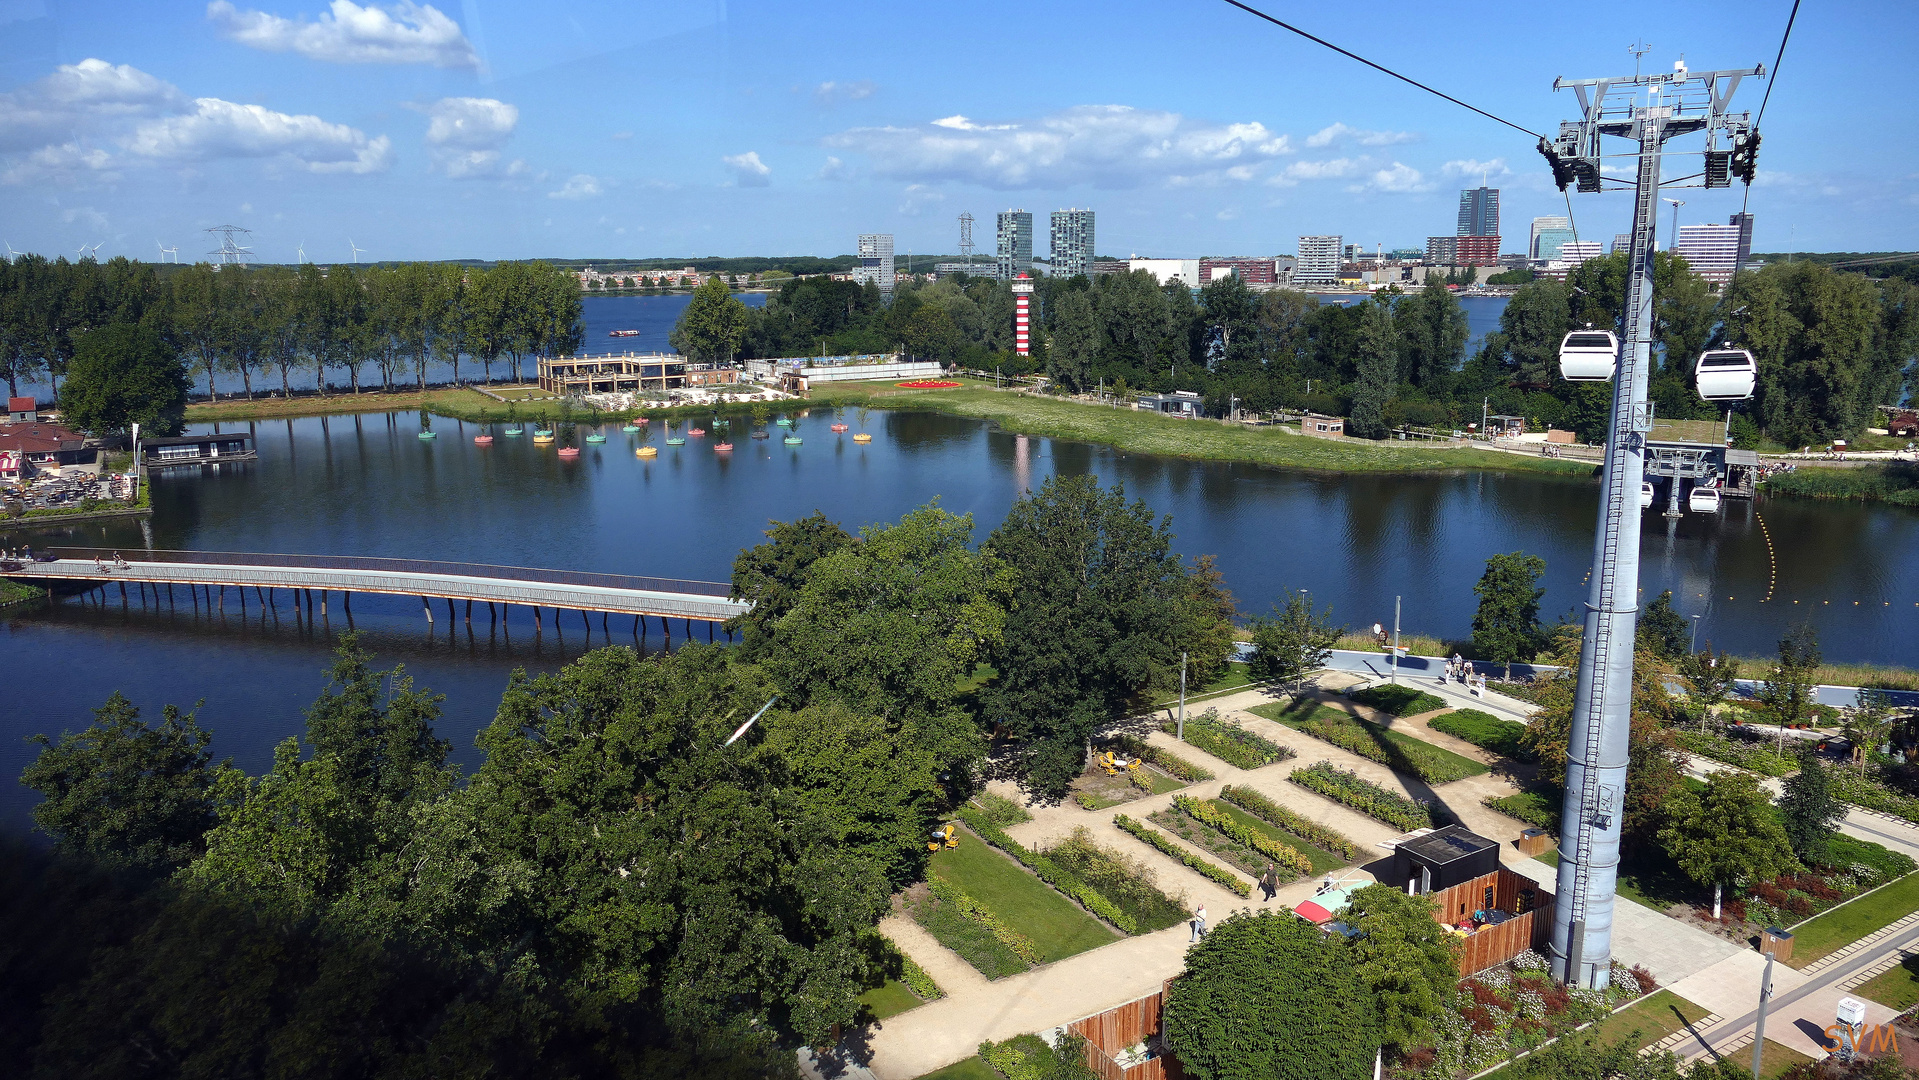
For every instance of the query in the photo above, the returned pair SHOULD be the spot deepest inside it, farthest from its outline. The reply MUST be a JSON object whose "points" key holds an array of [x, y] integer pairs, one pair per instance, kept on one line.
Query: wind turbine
{"points": [[165, 251], [96, 250], [12, 254], [81, 254], [356, 249], [302, 249]]}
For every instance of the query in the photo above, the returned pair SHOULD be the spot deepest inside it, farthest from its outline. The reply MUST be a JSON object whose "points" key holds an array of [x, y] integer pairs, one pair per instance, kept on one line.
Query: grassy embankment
{"points": [[1848, 923], [1146, 433], [1896, 483]]}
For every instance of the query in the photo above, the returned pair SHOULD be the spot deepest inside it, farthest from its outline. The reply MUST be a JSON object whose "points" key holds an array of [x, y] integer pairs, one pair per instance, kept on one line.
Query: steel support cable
{"points": [[1381, 68], [1791, 17]]}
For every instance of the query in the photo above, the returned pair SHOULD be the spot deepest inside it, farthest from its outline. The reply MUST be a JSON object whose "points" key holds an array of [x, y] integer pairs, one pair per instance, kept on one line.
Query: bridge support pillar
{"points": [[428, 608], [469, 613], [536, 619]]}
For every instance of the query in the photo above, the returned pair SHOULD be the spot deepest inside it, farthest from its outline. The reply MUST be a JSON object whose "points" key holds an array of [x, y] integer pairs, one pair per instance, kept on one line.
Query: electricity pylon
{"points": [[1676, 103]]}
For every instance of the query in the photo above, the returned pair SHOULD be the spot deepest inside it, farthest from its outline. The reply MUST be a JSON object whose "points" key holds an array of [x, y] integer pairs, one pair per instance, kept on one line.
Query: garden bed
{"points": [[1842, 926], [1069, 884], [1166, 761], [1229, 742], [1350, 789], [1743, 753], [1486, 731], [1055, 925], [1218, 875], [1095, 790], [1398, 700], [1319, 860], [1309, 832], [1394, 749], [968, 938], [1536, 808], [1518, 1007], [1127, 882], [1873, 794]]}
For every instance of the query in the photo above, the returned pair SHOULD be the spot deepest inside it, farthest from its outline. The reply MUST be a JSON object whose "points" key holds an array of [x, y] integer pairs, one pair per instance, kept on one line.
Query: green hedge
{"points": [[1368, 798], [918, 981], [1398, 700], [1052, 874], [1871, 793], [1282, 854], [1392, 749], [1218, 874], [1271, 812], [1486, 731], [1531, 807], [1230, 743], [1754, 756]]}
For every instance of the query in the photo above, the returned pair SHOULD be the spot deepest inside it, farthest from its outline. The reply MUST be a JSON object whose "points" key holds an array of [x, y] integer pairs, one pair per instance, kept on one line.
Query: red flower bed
{"points": [[929, 384]]}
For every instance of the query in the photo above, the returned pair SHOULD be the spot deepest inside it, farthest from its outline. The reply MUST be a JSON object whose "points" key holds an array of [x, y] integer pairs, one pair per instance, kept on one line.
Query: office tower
{"points": [[1015, 244], [1744, 222], [1479, 212], [1072, 240], [1548, 233], [1712, 251], [1318, 260], [876, 260], [1621, 242]]}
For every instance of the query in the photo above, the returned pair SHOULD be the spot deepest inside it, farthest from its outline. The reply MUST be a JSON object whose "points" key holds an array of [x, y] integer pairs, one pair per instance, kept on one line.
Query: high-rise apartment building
{"points": [[1712, 251], [1547, 235], [876, 260], [1015, 244], [1744, 221], [1479, 212], [1072, 240], [1621, 242], [1318, 260]]}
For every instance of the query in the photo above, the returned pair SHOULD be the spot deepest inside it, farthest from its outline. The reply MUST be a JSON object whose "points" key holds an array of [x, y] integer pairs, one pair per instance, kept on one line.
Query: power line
{"points": [[1390, 71], [1781, 55]]}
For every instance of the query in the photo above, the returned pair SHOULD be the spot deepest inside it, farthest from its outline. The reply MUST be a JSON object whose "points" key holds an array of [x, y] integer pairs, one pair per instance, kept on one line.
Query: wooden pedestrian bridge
{"points": [[212, 573]]}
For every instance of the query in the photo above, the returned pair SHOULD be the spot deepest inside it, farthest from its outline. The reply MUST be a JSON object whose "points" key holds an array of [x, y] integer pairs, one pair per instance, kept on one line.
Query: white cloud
{"points": [[1108, 146], [79, 97], [1333, 169], [66, 163], [1397, 178], [621, 136], [579, 186], [834, 169], [224, 129], [919, 197], [464, 136], [347, 33], [831, 93], [748, 169], [1229, 214], [1326, 136], [1467, 168]]}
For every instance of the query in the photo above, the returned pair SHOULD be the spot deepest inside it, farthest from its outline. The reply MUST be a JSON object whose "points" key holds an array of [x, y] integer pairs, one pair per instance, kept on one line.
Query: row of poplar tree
{"points": [[1830, 345], [341, 324]]}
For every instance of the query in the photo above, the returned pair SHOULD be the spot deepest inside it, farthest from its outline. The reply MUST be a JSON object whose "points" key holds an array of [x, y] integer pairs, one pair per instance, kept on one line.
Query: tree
{"points": [[1098, 618], [1809, 810], [123, 375], [1506, 626], [1531, 327], [1870, 723], [1075, 340], [1664, 630], [1435, 332], [126, 792], [771, 575], [1728, 832], [713, 324], [1710, 678], [1378, 372], [1270, 995], [1406, 959], [1293, 641], [1787, 690]]}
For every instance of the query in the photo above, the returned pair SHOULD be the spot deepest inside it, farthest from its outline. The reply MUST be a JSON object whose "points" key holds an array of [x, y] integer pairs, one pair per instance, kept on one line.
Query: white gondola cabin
{"points": [[1588, 356], [1703, 500], [1645, 494], [1725, 374]]}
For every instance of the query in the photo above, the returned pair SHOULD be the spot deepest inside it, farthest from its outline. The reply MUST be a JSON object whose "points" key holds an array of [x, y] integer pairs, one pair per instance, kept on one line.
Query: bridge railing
{"points": [[402, 566]]}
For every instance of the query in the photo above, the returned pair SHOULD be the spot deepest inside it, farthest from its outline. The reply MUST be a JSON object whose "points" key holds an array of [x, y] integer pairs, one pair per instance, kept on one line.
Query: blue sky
{"points": [[478, 128]]}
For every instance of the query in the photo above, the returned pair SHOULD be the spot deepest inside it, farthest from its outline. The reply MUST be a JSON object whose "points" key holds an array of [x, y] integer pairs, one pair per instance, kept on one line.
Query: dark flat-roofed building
{"points": [[162, 452]]}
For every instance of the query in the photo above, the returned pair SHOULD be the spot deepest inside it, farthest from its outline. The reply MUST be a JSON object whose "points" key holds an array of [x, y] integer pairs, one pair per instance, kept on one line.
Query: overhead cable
{"points": [[1381, 68]]}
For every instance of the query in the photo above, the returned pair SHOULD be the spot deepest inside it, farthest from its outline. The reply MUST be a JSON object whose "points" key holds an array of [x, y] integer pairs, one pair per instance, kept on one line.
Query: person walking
{"points": [[1269, 883], [1199, 923]]}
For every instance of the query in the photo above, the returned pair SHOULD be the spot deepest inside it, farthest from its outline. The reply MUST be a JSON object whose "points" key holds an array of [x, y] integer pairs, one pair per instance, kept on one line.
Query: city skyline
{"points": [[477, 130]]}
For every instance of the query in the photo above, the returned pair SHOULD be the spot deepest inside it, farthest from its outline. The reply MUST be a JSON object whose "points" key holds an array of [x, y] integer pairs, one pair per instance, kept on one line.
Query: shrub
{"points": [[1128, 882], [1530, 807], [1872, 793], [1486, 731], [1059, 878], [1281, 854], [1000, 810], [1021, 945], [1229, 742], [917, 980], [1271, 812], [1089, 801], [1404, 754], [1174, 765], [1218, 874], [1755, 757], [1348, 788], [1398, 700]]}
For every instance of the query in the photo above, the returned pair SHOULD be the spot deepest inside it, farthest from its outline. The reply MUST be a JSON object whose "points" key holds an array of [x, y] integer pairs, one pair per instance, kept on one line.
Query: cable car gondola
{"points": [[1725, 374], [1588, 356], [1703, 500]]}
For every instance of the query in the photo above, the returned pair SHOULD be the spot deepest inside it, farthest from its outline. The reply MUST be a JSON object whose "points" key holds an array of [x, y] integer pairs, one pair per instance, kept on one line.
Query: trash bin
{"points": [[1534, 842], [1776, 942]]}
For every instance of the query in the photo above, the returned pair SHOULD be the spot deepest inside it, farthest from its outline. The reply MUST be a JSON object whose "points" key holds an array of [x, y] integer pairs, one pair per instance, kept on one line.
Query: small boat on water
{"points": [[542, 433], [722, 447], [838, 428], [569, 451], [428, 435], [793, 440], [596, 438], [622, 333], [1703, 500], [676, 440], [862, 437], [513, 431], [483, 440], [542, 440], [647, 451], [696, 432], [759, 434], [630, 428], [784, 422]]}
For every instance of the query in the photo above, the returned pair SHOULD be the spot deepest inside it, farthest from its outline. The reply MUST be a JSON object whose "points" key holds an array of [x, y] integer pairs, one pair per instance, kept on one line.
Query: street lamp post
{"points": [[1695, 634], [1182, 697]]}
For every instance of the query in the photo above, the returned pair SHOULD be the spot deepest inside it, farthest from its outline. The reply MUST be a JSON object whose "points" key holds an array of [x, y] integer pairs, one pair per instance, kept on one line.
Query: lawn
{"points": [[1896, 989], [1484, 730], [1322, 860], [1648, 879], [1393, 749], [1398, 700], [971, 1068], [1057, 926], [889, 1000], [1532, 807], [1147, 433], [1235, 678], [1844, 925]]}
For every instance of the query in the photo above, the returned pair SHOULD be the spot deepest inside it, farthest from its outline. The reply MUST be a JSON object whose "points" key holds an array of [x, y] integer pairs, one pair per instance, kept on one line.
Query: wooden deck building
{"points": [[631, 373]]}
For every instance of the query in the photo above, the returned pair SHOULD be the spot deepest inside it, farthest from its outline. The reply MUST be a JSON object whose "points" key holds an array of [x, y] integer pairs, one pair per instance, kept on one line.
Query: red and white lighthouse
{"points": [[1023, 316]]}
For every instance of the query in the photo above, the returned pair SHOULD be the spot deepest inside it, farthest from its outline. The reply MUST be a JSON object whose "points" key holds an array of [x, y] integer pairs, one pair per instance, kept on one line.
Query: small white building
{"points": [[1184, 271]]}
